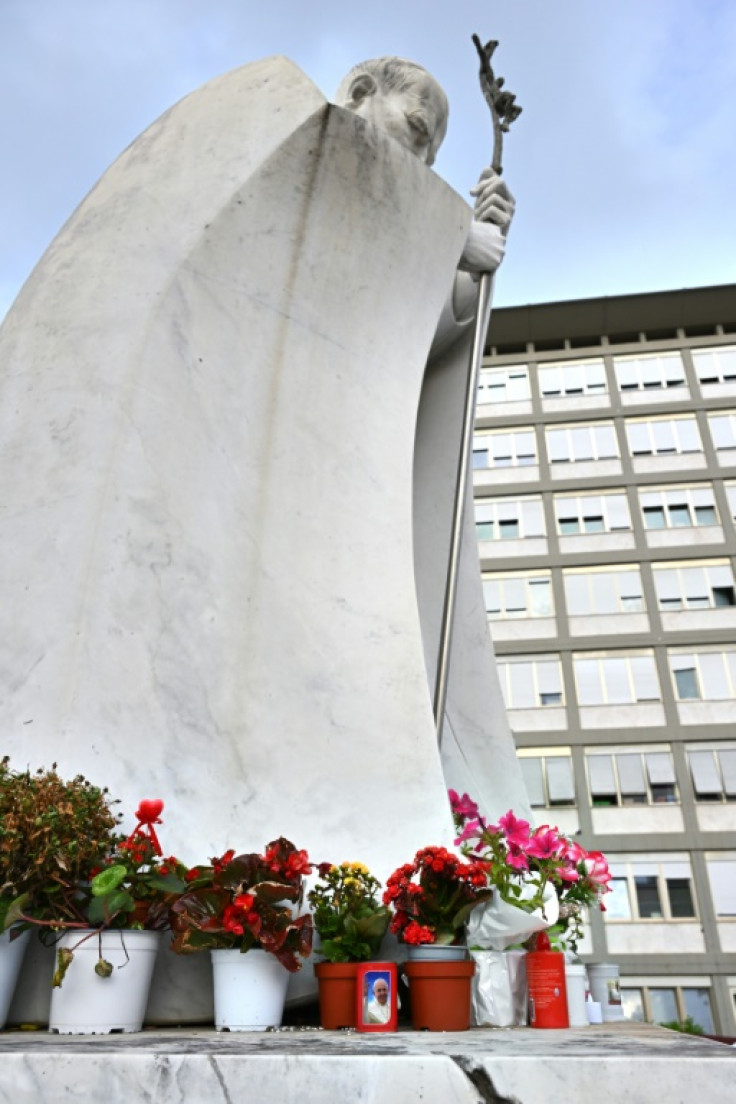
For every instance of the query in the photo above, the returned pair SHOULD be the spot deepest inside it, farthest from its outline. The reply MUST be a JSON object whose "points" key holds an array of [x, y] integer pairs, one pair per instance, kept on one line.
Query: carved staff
{"points": [[504, 110]]}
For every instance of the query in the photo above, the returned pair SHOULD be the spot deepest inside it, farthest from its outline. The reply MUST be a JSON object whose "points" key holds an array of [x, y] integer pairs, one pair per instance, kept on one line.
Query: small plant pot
{"points": [[336, 982], [440, 994], [437, 952], [87, 1004], [12, 953], [250, 990]]}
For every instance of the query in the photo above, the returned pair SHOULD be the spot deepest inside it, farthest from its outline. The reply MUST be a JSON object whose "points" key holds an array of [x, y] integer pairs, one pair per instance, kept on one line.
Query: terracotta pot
{"points": [[336, 993], [440, 994]]}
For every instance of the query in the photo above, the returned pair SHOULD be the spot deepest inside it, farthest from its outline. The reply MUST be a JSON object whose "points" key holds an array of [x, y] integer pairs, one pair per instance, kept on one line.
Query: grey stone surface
{"points": [[633, 1063]]}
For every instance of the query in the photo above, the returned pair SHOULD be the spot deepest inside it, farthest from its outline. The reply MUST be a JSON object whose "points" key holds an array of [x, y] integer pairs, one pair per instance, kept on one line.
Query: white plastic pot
{"points": [[12, 953], [87, 1004], [250, 990]]}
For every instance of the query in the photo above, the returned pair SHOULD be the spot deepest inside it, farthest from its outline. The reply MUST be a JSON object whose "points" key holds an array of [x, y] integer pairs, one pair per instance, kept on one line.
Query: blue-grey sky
{"points": [[623, 161]]}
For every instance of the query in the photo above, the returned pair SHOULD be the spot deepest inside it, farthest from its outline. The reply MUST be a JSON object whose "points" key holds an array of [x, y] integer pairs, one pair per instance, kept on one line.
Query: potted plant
{"points": [[542, 880], [243, 909], [432, 898], [53, 833], [351, 922], [111, 917]]}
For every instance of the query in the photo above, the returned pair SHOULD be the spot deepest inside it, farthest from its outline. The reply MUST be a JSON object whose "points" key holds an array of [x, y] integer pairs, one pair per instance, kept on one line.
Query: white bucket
{"points": [[250, 990], [87, 1004], [605, 988], [12, 953], [576, 982]]}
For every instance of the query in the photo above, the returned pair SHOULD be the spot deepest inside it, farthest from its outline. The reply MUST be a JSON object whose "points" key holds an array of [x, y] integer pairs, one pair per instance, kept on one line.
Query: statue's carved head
{"points": [[401, 98]]}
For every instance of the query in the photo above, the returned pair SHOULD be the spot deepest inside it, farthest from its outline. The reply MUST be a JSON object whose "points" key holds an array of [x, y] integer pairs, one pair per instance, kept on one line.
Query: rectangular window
{"points": [[573, 444], [581, 377], [654, 371], [667, 1004], [678, 507], [630, 777], [713, 772], [692, 584], [661, 436], [722, 878], [723, 430], [518, 595], [505, 449], [601, 513], [501, 385], [616, 679], [704, 675], [531, 683], [603, 590], [652, 889], [507, 518], [715, 365], [548, 778]]}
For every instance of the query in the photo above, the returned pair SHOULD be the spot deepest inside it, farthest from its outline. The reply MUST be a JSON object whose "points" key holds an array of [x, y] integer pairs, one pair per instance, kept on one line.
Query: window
{"points": [[616, 679], [631, 777], [650, 372], [580, 377], [722, 878], [713, 772], [576, 443], [678, 507], [717, 365], [548, 777], [531, 683], [663, 436], [504, 449], [704, 675], [603, 590], [604, 513], [505, 519], [651, 889], [723, 431], [500, 385], [668, 1004], [731, 495], [518, 595], [708, 584]]}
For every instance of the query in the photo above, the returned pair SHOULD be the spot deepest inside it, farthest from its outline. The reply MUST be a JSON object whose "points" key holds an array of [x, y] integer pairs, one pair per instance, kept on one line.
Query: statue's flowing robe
{"points": [[209, 391]]}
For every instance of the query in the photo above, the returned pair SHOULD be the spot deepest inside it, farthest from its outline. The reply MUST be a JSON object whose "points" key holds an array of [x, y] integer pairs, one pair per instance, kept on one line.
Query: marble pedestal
{"points": [[608, 1064]]}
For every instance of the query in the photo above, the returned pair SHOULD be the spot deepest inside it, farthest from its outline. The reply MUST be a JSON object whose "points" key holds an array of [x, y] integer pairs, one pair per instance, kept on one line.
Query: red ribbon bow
{"points": [[147, 814]]}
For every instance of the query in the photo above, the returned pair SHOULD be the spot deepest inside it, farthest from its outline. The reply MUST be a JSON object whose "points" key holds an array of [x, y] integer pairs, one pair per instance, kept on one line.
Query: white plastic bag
{"points": [[496, 925], [499, 992]]}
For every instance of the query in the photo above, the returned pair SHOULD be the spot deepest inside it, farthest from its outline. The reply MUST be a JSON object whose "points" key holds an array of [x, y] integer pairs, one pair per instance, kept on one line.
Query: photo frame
{"points": [[376, 996]]}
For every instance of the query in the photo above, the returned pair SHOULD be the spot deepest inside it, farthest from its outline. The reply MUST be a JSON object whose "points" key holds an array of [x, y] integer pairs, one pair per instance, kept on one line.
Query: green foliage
{"points": [[350, 919], [688, 1026]]}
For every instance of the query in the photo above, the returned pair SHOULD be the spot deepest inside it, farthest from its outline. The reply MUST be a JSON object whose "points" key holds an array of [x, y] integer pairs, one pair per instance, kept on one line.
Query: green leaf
{"points": [[169, 883], [107, 880], [16, 910], [104, 909]]}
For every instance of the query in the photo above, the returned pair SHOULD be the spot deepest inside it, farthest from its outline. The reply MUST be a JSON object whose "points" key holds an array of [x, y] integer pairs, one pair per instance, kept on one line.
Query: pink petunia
{"points": [[515, 830], [462, 806], [517, 859], [597, 868], [545, 843]]}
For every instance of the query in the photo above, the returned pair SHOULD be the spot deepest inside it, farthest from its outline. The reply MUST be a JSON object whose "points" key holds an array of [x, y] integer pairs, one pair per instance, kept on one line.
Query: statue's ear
{"points": [[360, 89]]}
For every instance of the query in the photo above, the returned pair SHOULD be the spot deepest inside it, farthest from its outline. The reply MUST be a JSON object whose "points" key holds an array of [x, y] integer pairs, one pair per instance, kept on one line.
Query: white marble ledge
{"points": [[635, 1063]]}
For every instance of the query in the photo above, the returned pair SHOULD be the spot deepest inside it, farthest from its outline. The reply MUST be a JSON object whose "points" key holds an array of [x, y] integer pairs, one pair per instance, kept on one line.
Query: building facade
{"points": [[605, 494]]}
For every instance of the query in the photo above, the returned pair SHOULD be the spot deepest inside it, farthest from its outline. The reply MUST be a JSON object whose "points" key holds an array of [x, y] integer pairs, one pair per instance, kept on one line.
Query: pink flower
{"points": [[573, 852], [597, 869], [515, 830], [545, 843], [471, 830], [517, 859], [462, 806], [568, 873]]}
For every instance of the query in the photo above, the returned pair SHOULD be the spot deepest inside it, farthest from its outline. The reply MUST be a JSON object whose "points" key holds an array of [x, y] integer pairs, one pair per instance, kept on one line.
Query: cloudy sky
{"points": [[623, 161]]}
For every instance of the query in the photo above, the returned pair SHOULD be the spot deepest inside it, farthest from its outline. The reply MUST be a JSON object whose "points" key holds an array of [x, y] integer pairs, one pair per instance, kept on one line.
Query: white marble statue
{"points": [[227, 478]]}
